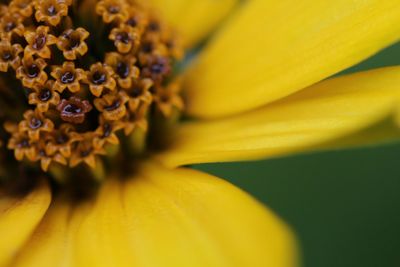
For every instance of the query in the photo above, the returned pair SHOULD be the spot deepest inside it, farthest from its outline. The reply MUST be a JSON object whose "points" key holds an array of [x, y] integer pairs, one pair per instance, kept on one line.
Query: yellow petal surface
{"points": [[322, 113], [165, 218], [19, 215], [385, 132], [274, 48], [194, 19]]}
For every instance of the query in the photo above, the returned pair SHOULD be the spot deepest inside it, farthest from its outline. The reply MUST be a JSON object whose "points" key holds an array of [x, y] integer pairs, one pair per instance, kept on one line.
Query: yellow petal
{"points": [[384, 132], [53, 241], [329, 110], [162, 218], [274, 48], [194, 19], [19, 215]]}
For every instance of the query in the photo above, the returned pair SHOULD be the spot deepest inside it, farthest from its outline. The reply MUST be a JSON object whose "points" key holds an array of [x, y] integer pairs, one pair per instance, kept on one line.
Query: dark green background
{"points": [[343, 205]]}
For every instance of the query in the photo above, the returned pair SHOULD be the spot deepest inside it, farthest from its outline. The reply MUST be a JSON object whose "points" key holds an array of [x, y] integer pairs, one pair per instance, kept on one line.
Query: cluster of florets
{"points": [[78, 74]]}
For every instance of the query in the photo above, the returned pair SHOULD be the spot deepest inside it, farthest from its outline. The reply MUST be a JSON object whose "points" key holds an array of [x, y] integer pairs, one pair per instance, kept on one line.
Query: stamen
{"points": [[6, 55], [45, 95], [113, 9], [67, 77], [32, 71], [9, 26], [51, 10], [123, 37], [122, 70], [98, 77], [39, 43], [35, 123], [107, 130], [24, 143]]}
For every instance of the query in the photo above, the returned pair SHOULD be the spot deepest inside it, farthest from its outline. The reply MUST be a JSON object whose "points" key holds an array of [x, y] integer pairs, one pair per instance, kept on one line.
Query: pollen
{"points": [[79, 79]]}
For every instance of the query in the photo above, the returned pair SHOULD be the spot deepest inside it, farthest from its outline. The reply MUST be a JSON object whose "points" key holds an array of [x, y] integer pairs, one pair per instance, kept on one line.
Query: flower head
{"points": [[67, 76], [63, 139], [107, 132], [125, 38], [34, 124], [11, 26], [74, 109], [125, 71], [9, 55], [157, 68], [21, 144], [167, 98], [78, 87], [46, 154], [39, 42], [72, 43], [32, 72], [140, 93], [112, 105], [87, 151], [44, 96], [112, 10], [99, 78], [23, 7], [51, 11], [137, 18]]}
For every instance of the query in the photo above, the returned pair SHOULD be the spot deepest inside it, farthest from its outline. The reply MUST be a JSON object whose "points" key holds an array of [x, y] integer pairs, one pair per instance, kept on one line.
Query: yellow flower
{"points": [[254, 91]]}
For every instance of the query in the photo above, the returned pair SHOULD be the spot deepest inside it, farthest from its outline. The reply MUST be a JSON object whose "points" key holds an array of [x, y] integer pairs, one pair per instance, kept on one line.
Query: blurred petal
{"points": [[274, 48], [19, 216], [194, 19], [163, 218], [384, 132], [322, 113], [53, 240]]}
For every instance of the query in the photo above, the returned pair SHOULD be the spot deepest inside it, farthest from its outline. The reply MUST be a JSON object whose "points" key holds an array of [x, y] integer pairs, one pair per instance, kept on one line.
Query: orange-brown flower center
{"points": [[35, 123], [40, 41], [122, 69], [78, 77], [99, 77], [7, 55], [51, 10], [67, 77], [45, 95], [9, 26], [32, 71]]}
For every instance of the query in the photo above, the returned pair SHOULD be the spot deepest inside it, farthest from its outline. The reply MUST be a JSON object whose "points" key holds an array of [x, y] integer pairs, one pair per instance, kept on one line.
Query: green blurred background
{"points": [[343, 205]]}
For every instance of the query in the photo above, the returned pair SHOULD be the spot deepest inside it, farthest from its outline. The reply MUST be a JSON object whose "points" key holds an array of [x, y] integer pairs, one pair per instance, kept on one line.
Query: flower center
{"points": [[35, 123], [9, 26], [116, 104], [24, 143], [107, 130], [71, 109], [6, 55], [51, 10], [45, 95], [67, 77], [32, 71], [113, 9], [122, 70], [39, 43], [74, 42], [123, 37], [85, 84], [99, 78], [62, 139]]}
